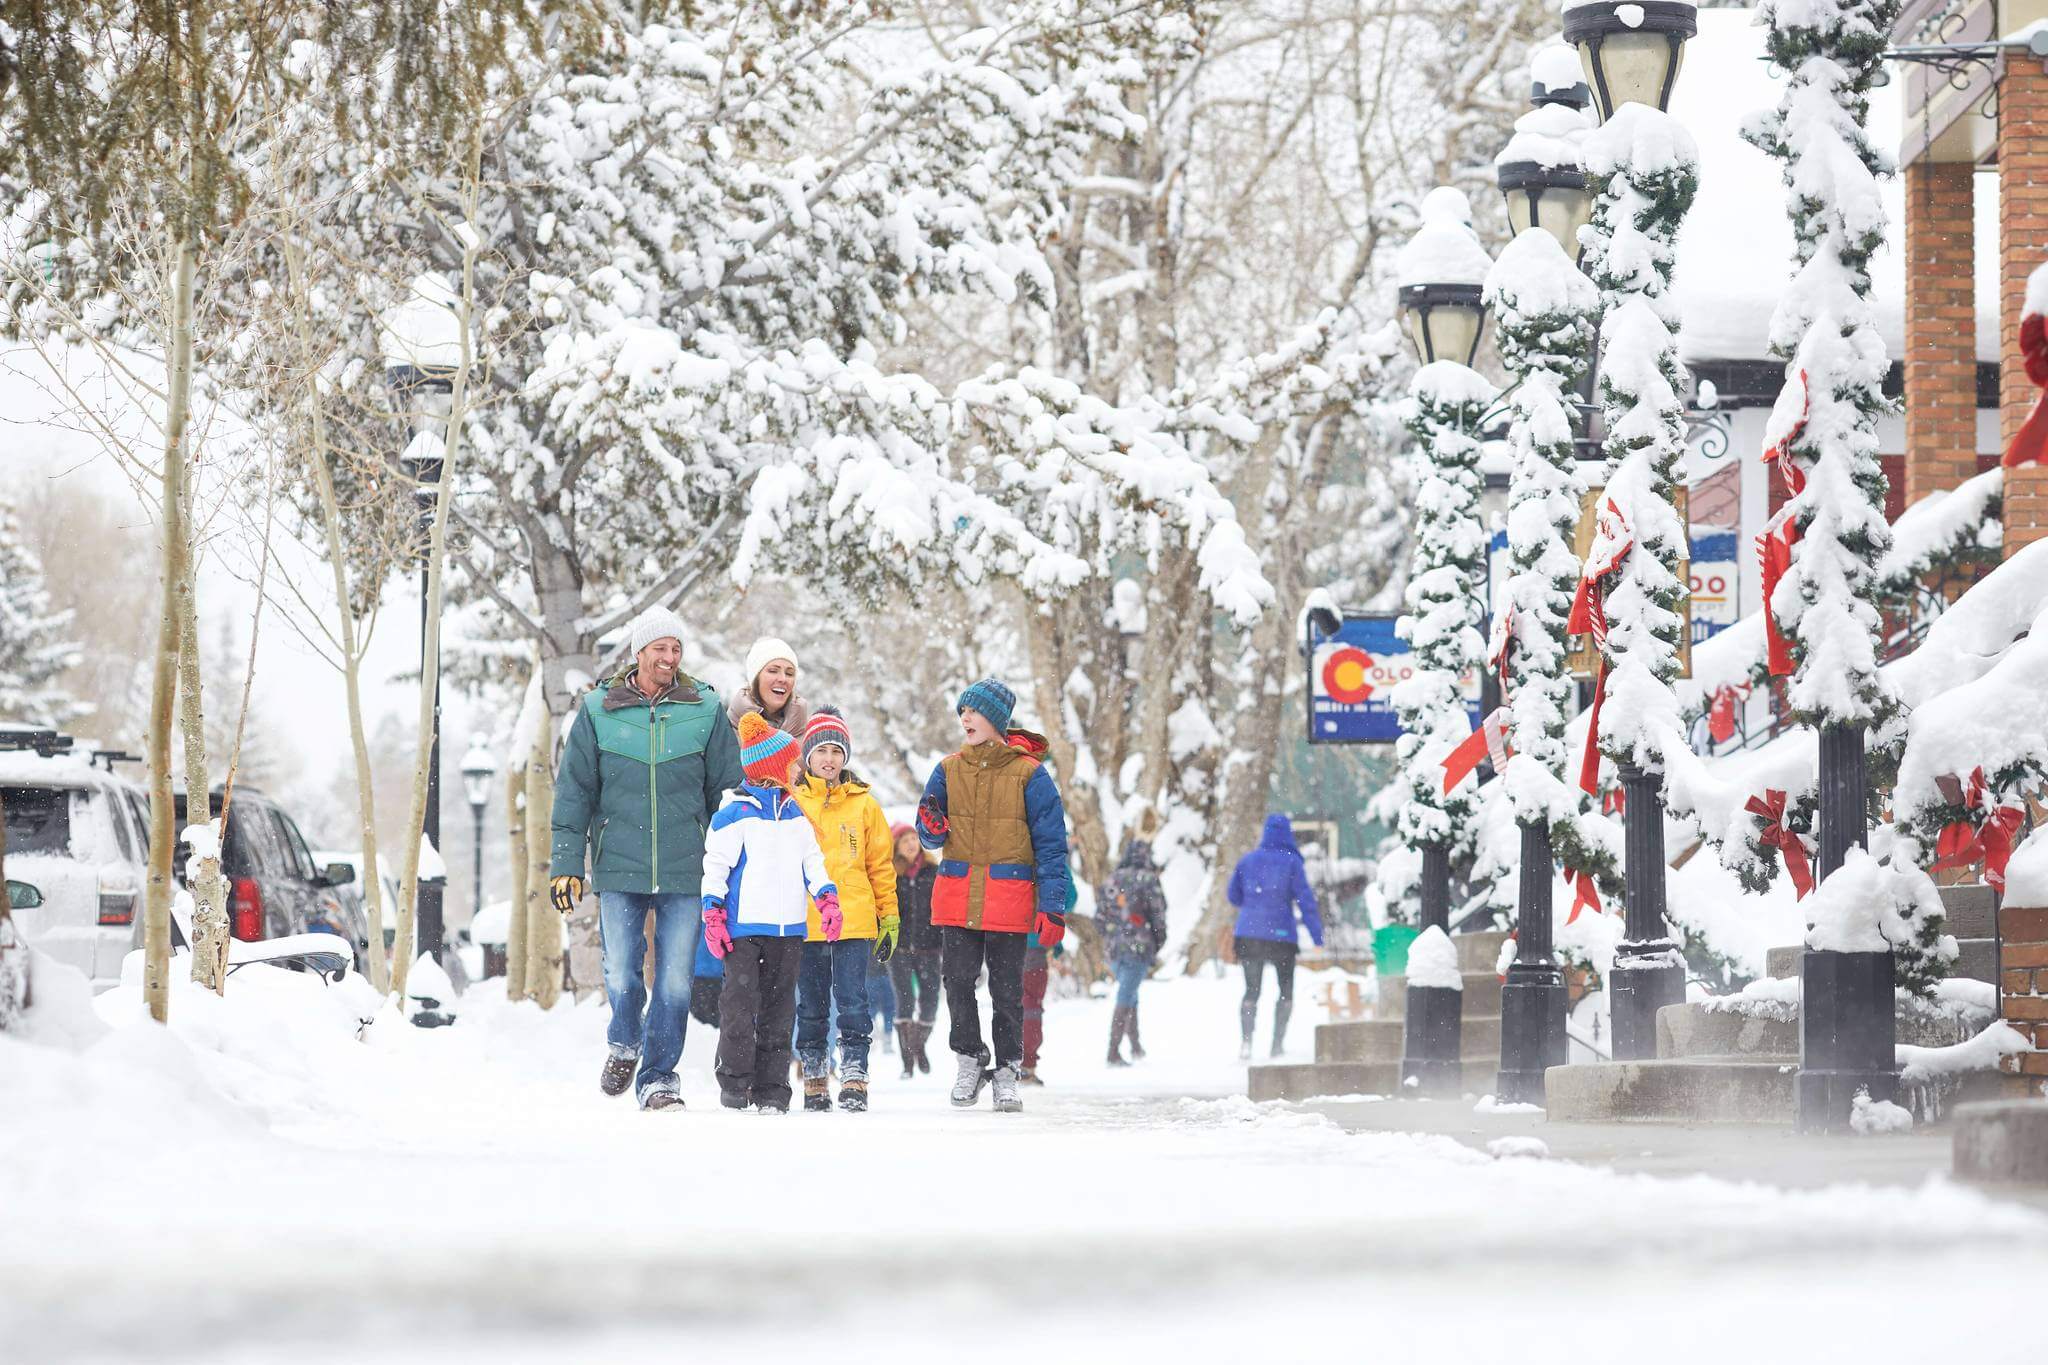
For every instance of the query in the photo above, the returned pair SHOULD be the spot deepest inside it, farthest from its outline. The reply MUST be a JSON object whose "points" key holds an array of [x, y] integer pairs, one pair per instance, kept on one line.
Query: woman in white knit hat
{"points": [[770, 689]]}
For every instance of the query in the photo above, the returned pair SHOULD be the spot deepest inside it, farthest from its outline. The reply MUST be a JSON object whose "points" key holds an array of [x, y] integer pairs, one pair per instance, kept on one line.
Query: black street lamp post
{"points": [[478, 769]]}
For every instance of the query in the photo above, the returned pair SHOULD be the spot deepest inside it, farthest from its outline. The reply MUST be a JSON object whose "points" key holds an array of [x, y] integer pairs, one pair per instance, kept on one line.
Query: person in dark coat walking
{"points": [[1132, 915], [914, 970], [1270, 890]]}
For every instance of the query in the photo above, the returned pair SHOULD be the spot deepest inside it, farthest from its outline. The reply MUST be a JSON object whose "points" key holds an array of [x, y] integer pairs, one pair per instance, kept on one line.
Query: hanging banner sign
{"points": [[1351, 675], [1715, 564], [1583, 659]]}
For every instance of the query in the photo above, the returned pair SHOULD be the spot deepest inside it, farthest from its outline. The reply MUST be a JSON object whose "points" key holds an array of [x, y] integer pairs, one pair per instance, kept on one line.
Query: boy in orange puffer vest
{"points": [[995, 813]]}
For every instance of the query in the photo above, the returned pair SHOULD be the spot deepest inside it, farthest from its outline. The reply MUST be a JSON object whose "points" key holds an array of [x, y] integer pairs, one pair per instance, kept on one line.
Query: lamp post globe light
{"points": [[421, 341], [1541, 170], [1631, 50], [1441, 277], [478, 768]]}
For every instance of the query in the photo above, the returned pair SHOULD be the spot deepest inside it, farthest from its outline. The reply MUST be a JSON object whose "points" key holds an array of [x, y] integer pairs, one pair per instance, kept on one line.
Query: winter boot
{"points": [[1131, 1032], [662, 1099], [1029, 1076], [1116, 1036], [1281, 1009], [732, 1099], [817, 1094], [853, 1096], [1247, 1018], [924, 1059], [967, 1085], [1007, 1101], [618, 1072], [906, 1047]]}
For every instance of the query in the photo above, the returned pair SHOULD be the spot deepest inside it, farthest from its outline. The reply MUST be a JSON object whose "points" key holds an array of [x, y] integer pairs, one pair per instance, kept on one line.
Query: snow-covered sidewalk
{"points": [[260, 1186]]}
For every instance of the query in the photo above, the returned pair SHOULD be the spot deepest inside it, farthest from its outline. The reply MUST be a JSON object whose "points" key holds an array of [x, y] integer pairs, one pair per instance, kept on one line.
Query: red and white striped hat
{"points": [[828, 727]]}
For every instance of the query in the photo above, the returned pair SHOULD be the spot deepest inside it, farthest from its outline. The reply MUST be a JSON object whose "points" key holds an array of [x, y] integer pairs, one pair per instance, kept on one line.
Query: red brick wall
{"points": [[1941, 329], [2022, 245], [2023, 989]]}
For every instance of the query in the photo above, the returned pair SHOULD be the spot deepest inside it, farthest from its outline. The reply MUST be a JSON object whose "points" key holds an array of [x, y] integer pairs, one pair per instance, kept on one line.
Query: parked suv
{"points": [[80, 833], [274, 885]]}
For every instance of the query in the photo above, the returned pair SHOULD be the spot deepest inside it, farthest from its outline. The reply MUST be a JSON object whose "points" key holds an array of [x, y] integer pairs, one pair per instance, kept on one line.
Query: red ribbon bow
{"points": [[1488, 742], [1779, 452], [1585, 895], [1990, 841], [2030, 442], [1612, 541], [1721, 710], [1770, 809], [1500, 644], [1774, 546]]}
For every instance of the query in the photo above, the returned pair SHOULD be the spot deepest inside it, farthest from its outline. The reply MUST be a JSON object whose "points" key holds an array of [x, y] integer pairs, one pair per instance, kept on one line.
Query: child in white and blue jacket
{"points": [[762, 870]]}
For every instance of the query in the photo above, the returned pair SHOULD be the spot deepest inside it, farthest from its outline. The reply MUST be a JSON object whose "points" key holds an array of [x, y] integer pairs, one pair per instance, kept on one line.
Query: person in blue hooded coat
{"points": [[1274, 902]]}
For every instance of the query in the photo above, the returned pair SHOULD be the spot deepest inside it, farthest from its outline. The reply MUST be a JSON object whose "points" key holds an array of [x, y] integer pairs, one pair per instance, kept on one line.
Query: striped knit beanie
{"points": [[828, 727], [766, 753], [995, 701]]}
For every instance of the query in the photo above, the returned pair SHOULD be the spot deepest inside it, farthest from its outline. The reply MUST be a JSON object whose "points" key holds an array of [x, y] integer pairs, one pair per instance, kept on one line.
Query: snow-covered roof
{"points": [[1735, 253]]}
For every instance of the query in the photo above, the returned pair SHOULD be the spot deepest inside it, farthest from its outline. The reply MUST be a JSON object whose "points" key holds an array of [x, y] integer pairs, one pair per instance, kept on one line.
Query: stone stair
{"points": [[1363, 1056], [1730, 1066]]}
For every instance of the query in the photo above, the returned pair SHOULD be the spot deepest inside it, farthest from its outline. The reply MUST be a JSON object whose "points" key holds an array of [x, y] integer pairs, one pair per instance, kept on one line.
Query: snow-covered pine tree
{"points": [[1543, 308], [35, 647]]}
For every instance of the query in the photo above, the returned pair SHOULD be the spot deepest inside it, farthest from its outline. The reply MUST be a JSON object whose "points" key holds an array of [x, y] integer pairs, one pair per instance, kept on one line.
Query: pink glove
{"points": [[716, 937], [828, 915]]}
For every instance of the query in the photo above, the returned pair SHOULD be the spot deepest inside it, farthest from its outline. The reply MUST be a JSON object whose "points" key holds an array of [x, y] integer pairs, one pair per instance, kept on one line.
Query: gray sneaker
{"points": [[1007, 1101], [967, 1086]]}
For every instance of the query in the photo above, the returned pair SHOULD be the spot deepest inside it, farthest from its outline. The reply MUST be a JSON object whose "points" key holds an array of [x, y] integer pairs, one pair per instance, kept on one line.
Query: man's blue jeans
{"points": [[834, 974], [1130, 974], [658, 1039]]}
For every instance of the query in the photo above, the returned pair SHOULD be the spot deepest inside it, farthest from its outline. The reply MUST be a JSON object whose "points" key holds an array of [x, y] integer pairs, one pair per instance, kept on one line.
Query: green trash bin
{"points": [[1390, 948]]}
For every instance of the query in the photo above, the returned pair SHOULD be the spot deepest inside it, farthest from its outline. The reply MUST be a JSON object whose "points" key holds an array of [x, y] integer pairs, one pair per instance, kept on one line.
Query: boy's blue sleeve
{"points": [[1047, 819], [1305, 897], [934, 791]]}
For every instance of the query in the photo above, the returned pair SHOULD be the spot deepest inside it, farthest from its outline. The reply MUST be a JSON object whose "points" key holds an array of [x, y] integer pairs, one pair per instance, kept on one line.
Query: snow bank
{"points": [[1981, 1053], [2026, 876], [1877, 1118]]}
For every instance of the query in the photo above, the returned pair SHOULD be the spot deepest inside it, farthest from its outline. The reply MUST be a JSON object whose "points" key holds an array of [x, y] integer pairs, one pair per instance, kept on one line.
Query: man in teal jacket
{"points": [[649, 755]]}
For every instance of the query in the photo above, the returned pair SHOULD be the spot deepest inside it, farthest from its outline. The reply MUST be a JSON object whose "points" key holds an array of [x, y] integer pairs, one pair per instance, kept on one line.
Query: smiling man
{"points": [[648, 757]]}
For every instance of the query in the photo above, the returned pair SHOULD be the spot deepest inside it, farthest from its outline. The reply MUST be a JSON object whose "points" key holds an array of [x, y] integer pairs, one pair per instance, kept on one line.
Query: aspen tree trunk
{"points": [[430, 670], [543, 924], [515, 921], [163, 831], [209, 888]]}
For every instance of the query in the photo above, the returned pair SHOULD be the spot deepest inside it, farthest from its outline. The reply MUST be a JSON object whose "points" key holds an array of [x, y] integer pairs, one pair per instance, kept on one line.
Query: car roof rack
{"points": [[25, 738], [113, 756]]}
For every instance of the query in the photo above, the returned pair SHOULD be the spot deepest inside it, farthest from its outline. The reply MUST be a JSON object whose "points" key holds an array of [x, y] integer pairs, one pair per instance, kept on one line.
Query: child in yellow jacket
{"points": [[859, 858]]}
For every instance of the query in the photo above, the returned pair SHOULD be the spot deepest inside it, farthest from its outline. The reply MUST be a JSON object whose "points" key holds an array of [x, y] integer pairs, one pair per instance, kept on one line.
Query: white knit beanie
{"points": [[765, 652], [656, 623]]}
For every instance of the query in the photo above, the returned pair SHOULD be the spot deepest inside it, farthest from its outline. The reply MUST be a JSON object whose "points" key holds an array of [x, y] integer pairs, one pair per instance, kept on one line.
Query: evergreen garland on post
{"points": [[1824, 430], [35, 651], [1543, 309], [1643, 167], [1446, 605]]}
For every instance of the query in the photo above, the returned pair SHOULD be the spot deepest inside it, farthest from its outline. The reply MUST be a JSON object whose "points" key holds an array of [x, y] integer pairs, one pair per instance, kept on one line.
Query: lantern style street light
{"points": [[1541, 170], [1630, 49], [478, 768], [1442, 278]]}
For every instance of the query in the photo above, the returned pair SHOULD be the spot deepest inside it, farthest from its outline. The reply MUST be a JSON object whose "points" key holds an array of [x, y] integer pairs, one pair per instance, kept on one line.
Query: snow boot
{"points": [[661, 1099], [1131, 1032], [906, 1048], [924, 1059], [1029, 1076], [967, 1085], [618, 1072], [1007, 1101], [817, 1094], [1281, 1010], [1244, 1049], [1116, 1036], [853, 1097], [732, 1100]]}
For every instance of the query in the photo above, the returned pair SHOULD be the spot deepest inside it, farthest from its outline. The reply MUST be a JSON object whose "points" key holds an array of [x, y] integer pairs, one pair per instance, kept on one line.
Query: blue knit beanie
{"points": [[992, 699]]}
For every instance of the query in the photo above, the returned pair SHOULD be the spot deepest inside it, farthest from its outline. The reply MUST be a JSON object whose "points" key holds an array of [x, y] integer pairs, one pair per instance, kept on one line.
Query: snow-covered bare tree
{"points": [[37, 646]]}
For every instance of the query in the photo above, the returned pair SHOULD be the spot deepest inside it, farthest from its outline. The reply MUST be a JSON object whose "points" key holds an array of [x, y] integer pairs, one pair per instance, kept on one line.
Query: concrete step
{"points": [[1479, 952], [1972, 911], [2003, 1142], [1749, 1089], [1978, 959], [1696, 1031], [1482, 995], [1380, 1040], [1307, 1080]]}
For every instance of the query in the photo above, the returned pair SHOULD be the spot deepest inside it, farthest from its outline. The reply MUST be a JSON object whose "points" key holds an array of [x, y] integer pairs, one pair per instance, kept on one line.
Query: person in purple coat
{"points": [[1271, 892]]}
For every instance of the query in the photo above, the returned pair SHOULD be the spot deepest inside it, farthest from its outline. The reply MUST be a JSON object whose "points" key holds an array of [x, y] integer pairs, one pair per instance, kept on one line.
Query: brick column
{"points": [[2023, 992], [2022, 245], [1941, 328]]}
